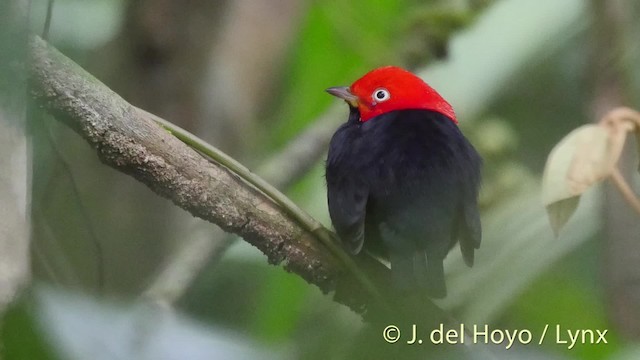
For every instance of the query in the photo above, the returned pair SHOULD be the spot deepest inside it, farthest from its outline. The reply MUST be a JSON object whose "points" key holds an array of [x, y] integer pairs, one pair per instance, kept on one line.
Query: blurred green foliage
{"points": [[20, 336], [530, 100], [55, 324], [338, 41]]}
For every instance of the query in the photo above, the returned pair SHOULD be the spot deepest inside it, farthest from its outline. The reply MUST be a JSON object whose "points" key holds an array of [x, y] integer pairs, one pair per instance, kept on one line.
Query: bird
{"points": [[402, 180]]}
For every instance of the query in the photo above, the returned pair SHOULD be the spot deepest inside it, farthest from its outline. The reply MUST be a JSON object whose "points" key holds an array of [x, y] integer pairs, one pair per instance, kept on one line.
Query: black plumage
{"points": [[404, 185]]}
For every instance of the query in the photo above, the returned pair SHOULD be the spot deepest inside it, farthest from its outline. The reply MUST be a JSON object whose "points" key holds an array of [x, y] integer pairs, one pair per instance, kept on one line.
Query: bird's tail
{"points": [[429, 273], [417, 271]]}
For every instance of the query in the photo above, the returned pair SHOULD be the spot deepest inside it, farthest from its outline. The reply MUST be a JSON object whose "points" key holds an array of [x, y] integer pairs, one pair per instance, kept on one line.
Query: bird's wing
{"points": [[347, 208], [347, 191], [470, 231]]}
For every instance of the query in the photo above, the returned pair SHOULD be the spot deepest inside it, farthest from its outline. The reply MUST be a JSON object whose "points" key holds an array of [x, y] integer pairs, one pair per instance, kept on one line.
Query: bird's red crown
{"points": [[392, 88]]}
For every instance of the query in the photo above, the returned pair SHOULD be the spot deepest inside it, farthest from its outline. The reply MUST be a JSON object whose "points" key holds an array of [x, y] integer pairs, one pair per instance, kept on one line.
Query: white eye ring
{"points": [[380, 95]]}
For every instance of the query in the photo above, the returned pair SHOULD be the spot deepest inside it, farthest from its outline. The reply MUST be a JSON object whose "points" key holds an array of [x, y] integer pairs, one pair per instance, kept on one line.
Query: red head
{"points": [[391, 88]]}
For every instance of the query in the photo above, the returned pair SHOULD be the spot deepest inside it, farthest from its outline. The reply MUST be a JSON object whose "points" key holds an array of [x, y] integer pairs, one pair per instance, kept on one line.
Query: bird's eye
{"points": [[380, 95]]}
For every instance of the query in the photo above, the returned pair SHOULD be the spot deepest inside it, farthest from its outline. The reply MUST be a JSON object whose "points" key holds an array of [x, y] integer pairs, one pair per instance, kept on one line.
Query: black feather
{"points": [[405, 185]]}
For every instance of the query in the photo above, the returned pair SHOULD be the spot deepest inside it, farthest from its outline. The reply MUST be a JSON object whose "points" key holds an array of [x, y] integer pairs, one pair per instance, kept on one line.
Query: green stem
{"points": [[299, 215]]}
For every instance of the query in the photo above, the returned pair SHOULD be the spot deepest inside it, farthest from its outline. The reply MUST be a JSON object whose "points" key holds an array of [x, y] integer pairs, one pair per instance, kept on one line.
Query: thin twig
{"points": [[177, 275], [281, 170], [625, 190], [55, 252], [84, 213], [47, 22], [302, 153], [623, 113], [631, 118]]}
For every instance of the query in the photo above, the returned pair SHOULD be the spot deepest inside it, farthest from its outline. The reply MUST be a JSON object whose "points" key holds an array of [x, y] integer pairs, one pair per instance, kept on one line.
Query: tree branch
{"points": [[281, 170], [625, 190], [131, 143]]}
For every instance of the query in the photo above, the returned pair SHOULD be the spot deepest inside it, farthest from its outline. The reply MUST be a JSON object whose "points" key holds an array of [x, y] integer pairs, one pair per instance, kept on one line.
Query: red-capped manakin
{"points": [[402, 180]]}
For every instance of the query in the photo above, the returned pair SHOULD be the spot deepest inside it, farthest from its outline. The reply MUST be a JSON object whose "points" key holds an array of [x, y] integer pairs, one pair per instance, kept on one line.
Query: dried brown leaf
{"points": [[584, 157]]}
